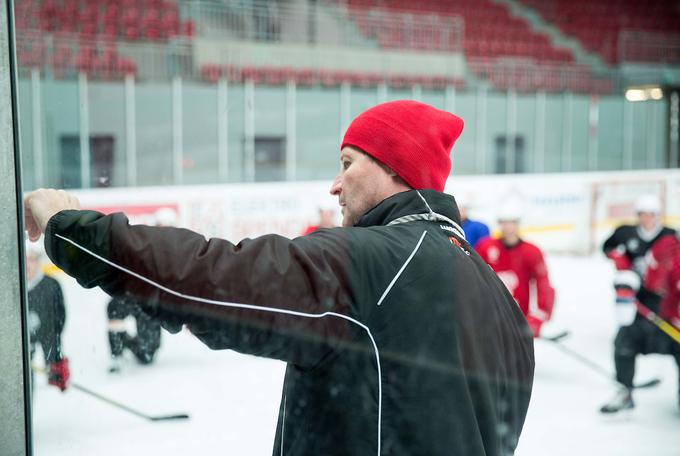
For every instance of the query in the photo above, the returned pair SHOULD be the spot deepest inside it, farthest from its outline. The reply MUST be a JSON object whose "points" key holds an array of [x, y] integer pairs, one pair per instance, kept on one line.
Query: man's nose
{"points": [[336, 187]]}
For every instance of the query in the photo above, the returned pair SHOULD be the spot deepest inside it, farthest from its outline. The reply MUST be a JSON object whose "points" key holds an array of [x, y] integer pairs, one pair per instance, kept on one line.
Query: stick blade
{"points": [[179, 416], [557, 337], [648, 384]]}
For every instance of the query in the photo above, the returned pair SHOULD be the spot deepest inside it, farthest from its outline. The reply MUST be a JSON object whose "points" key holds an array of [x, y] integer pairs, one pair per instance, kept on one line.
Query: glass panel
{"points": [[201, 304], [526, 128], [318, 133], [106, 103], [611, 133], [554, 131], [579, 133], [465, 156], [153, 107], [200, 124]]}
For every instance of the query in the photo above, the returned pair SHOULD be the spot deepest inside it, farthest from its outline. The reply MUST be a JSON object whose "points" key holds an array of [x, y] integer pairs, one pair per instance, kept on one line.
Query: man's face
{"points": [[360, 185], [509, 228], [648, 220]]}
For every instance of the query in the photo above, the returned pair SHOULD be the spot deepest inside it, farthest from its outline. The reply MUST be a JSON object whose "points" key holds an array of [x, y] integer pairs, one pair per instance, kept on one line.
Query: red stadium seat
{"points": [[126, 66], [210, 72]]}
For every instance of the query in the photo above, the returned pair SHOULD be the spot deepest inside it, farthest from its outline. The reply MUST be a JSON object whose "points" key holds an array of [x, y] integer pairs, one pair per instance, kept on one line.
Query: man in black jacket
{"points": [[399, 339]]}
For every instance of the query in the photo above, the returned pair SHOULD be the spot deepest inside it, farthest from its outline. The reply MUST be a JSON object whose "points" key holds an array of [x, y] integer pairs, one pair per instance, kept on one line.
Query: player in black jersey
{"points": [[627, 247], [145, 341]]}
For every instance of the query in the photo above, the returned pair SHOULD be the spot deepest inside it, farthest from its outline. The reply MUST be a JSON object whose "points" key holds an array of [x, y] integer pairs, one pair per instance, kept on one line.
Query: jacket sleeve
{"points": [[269, 296], [545, 293]]}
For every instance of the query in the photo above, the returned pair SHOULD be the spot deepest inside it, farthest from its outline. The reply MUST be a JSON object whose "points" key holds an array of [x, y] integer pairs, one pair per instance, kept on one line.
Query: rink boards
{"points": [[561, 212]]}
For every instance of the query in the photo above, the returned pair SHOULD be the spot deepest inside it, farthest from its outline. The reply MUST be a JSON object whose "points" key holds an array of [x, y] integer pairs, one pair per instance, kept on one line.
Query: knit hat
{"points": [[413, 139]]}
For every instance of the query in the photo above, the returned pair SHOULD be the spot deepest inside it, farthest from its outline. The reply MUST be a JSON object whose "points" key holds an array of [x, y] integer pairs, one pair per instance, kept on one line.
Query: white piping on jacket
{"points": [[408, 260], [429, 209], [250, 307], [430, 216], [283, 422]]}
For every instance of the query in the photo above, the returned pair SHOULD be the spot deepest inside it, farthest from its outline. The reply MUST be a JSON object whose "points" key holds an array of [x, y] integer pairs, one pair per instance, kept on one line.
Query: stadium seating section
{"points": [[83, 33], [490, 30], [597, 25], [498, 47]]}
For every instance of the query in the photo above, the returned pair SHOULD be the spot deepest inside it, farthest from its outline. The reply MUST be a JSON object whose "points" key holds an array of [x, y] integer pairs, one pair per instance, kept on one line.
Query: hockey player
{"points": [[475, 230], [143, 344], [326, 219], [627, 248], [520, 266], [46, 317], [147, 337]]}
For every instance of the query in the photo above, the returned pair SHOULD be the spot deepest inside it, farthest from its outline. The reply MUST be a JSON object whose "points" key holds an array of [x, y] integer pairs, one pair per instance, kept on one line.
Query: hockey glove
{"points": [[59, 374], [535, 325], [621, 261], [626, 286]]}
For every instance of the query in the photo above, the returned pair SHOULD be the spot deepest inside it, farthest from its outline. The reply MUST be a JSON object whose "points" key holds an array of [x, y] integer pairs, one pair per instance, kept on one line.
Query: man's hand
{"points": [[39, 207]]}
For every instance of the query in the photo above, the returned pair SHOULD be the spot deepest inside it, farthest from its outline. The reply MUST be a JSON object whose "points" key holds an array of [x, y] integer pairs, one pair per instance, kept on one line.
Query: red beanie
{"points": [[413, 139]]}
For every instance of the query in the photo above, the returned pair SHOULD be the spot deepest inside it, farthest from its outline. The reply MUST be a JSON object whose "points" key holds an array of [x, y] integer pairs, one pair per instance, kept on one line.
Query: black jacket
{"points": [[399, 339]]}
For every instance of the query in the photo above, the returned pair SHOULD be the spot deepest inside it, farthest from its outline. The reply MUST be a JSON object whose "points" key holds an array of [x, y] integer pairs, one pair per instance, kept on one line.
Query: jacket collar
{"points": [[414, 205]]}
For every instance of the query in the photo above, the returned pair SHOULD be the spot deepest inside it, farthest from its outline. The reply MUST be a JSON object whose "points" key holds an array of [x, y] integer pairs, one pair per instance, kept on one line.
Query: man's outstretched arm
{"points": [[268, 296]]}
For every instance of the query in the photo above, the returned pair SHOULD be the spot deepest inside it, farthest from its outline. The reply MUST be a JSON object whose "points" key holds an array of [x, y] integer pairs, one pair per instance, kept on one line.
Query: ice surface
{"points": [[233, 399]]}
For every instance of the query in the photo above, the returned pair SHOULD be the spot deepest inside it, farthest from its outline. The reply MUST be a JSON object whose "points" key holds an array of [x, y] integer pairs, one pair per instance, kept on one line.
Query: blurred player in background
{"points": [[147, 338], [46, 317], [475, 231], [627, 248], [326, 218], [520, 265]]}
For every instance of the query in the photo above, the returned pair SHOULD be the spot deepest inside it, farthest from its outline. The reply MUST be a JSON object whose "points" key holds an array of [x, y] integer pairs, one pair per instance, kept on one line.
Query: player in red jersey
{"points": [[520, 265], [663, 279], [326, 218]]}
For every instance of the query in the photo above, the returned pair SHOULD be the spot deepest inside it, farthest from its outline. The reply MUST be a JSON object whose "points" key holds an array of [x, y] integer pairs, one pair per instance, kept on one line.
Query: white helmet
{"points": [[509, 212], [648, 203]]}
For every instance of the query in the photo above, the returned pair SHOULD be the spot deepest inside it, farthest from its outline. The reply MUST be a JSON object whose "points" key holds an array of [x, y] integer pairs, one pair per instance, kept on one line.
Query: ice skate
{"points": [[622, 401]]}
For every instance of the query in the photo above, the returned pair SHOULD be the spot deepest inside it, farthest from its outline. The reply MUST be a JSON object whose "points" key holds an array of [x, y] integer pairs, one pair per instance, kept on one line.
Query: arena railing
{"points": [[324, 22], [648, 47]]}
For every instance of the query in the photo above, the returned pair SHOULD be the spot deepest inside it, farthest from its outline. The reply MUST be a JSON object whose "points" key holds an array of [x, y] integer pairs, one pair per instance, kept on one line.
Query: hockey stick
{"points": [[660, 323], [557, 337], [596, 367], [81, 388]]}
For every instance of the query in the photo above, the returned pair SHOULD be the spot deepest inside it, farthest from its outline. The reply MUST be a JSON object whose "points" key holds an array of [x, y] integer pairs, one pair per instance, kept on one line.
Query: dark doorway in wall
{"points": [[270, 159], [102, 150], [510, 159]]}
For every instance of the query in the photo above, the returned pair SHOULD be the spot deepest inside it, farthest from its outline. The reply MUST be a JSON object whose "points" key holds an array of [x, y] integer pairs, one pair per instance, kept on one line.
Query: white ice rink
{"points": [[233, 399]]}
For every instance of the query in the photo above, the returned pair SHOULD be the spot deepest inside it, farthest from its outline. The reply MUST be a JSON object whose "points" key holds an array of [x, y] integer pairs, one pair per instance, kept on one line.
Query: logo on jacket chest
{"points": [[493, 253]]}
